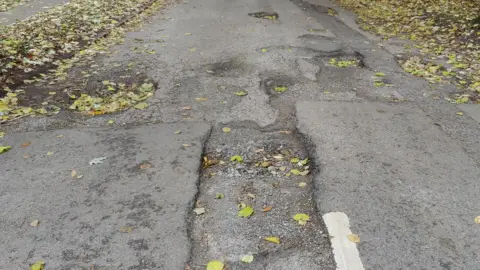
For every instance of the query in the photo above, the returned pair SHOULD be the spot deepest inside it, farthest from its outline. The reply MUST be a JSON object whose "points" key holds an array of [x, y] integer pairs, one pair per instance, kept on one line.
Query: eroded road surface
{"points": [[279, 107]]}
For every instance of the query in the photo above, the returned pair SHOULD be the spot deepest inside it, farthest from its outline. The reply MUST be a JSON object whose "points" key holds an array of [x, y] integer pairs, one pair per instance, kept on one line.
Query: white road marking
{"points": [[345, 251]]}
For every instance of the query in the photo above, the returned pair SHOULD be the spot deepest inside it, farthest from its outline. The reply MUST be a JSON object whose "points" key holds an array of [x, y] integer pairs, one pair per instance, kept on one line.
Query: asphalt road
{"points": [[402, 166]]}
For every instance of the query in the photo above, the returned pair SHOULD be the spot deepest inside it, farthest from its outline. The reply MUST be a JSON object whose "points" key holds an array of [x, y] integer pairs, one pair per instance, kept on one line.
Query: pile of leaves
{"points": [[446, 34], [46, 46], [43, 38], [9, 4]]}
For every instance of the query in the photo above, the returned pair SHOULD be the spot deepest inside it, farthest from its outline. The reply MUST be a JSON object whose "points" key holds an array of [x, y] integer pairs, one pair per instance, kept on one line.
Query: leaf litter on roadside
{"points": [[78, 30], [444, 36]]}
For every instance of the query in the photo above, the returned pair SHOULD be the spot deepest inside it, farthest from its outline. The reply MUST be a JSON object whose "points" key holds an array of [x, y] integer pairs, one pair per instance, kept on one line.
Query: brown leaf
{"points": [[267, 208], [26, 144], [144, 166]]}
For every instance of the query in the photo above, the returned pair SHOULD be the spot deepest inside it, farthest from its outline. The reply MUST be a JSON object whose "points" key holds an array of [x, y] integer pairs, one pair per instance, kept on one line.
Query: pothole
{"points": [[231, 68], [269, 172]]}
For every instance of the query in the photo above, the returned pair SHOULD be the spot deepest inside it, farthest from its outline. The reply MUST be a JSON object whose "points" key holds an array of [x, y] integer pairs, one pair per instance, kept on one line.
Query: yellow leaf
{"points": [[219, 196], [177, 132], [295, 172], [237, 158], [280, 89], [2, 134], [49, 153], [199, 211], [52, 93], [247, 258], [4, 149], [354, 238], [294, 160], [215, 265], [39, 265], [246, 212], [241, 93], [193, 49], [141, 106], [188, 34], [34, 223], [74, 173], [125, 229], [226, 129], [477, 220], [264, 50], [110, 122], [301, 218], [302, 184], [199, 99], [460, 113], [272, 239]]}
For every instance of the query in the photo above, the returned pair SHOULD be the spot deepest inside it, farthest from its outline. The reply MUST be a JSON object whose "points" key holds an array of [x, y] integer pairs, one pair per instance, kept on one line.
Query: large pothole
{"points": [[269, 172]]}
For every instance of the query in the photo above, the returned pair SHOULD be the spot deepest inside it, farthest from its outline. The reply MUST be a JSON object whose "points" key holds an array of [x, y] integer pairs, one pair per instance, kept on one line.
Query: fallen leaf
{"points": [[302, 184], [215, 265], [304, 162], [111, 122], [295, 171], [266, 164], [199, 211], [177, 132], [283, 168], [39, 265], [4, 149], [188, 34], [186, 145], [236, 158], [379, 74], [251, 195], [294, 160], [98, 160], [50, 153], [273, 239], [460, 113], [141, 106], [26, 144], [246, 211], [267, 208], [26, 156], [477, 220], [241, 93], [280, 157], [280, 89], [186, 108], [74, 173], [199, 99], [247, 258], [226, 129], [301, 218], [144, 166], [52, 93], [193, 49], [79, 176], [354, 238], [285, 131], [34, 223], [304, 172], [125, 229], [2, 134], [264, 50], [60, 136], [219, 196]]}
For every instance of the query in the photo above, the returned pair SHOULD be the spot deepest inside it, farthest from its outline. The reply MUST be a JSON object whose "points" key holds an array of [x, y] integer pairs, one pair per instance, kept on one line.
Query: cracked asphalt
{"points": [[402, 166]]}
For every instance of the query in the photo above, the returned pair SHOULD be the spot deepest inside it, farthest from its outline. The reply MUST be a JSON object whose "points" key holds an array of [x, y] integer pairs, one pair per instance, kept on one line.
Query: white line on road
{"points": [[345, 251]]}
